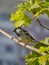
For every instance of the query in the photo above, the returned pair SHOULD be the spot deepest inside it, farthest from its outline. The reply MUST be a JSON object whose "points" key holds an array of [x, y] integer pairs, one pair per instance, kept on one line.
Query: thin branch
{"points": [[16, 40], [42, 24]]}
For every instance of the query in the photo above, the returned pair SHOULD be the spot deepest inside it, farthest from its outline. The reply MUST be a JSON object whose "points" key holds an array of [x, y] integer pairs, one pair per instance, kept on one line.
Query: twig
{"points": [[16, 40], [42, 24]]}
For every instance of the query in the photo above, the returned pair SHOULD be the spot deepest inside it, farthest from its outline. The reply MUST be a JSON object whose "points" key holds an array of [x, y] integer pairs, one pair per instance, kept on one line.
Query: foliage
{"points": [[21, 18], [36, 7], [35, 58]]}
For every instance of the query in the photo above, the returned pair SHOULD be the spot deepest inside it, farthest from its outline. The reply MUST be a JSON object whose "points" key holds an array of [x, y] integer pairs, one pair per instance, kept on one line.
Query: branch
{"points": [[42, 24], [16, 40]]}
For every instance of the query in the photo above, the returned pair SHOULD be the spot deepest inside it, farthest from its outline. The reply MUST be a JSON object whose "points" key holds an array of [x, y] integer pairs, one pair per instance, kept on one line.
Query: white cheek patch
{"points": [[18, 30]]}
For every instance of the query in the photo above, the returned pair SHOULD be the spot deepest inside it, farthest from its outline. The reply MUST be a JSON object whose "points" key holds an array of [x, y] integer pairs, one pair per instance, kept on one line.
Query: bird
{"points": [[24, 36]]}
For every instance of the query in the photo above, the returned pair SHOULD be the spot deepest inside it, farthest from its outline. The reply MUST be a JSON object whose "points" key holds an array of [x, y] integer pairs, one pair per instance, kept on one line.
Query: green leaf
{"points": [[32, 58], [47, 63], [46, 0], [12, 18], [19, 14], [35, 5], [45, 41], [42, 59], [42, 49], [27, 20], [18, 23]]}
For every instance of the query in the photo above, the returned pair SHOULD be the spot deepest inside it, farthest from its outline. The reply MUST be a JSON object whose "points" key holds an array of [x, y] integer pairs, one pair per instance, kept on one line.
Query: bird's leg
{"points": [[26, 44]]}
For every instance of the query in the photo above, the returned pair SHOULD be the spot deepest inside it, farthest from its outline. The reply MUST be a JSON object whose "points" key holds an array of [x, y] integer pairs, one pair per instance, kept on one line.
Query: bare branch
{"points": [[16, 40], [42, 24]]}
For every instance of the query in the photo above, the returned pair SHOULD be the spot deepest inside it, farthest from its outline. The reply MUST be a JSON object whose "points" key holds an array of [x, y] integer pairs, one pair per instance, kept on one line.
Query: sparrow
{"points": [[24, 36]]}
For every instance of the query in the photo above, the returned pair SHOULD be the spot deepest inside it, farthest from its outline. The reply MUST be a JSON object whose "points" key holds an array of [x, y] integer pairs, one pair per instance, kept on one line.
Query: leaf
{"points": [[27, 20], [19, 14], [23, 21], [45, 41], [46, 0], [18, 23], [42, 59], [37, 14], [32, 58], [47, 63], [22, 6], [12, 18], [47, 49], [35, 5], [42, 49]]}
